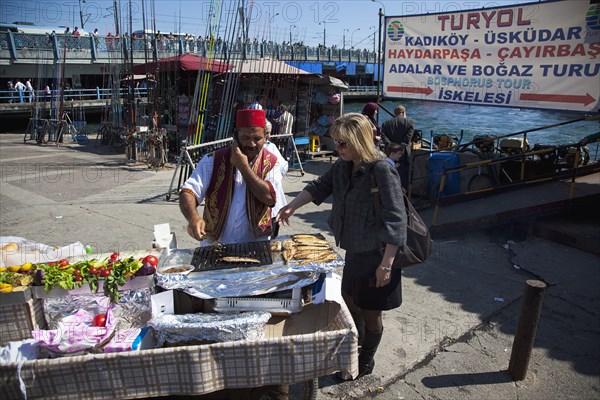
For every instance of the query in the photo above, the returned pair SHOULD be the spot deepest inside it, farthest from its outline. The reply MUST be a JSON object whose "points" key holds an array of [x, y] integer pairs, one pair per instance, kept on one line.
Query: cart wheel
{"points": [[168, 197], [311, 387], [302, 173]]}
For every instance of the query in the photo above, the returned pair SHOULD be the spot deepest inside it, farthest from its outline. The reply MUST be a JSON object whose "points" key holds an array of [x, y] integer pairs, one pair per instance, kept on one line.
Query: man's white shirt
{"points": [[237, 227]]}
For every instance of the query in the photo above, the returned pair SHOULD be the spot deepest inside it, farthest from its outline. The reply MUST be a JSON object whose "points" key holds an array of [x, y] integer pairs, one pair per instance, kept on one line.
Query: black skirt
{"points": [[359, 281]]}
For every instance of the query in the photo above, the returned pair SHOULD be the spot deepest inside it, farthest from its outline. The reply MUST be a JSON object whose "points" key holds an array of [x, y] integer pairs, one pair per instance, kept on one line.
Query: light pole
{"points": [[324, 32], [271, 18], [381, 15], [344, 38], [373, 27], [81, 14], [352, 38]]}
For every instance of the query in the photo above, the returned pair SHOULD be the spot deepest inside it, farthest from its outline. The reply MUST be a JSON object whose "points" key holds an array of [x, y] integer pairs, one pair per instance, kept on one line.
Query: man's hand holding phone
{"points": [[238, 158]]}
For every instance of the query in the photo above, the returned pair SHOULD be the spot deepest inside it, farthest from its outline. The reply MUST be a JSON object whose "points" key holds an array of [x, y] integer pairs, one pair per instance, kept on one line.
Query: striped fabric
{"points": [[18, 320], [295, 350]]}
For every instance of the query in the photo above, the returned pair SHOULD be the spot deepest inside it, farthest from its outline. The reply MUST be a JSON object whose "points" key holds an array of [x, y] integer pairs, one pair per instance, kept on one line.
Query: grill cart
{"points": [[301, 342]]}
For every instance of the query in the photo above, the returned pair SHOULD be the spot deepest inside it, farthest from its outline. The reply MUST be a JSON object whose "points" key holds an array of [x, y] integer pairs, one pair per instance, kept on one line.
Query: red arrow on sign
{"points": [[410, 89], [559, 98]]}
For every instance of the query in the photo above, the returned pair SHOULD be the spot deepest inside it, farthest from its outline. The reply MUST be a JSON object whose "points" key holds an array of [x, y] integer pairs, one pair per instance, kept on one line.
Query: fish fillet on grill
{"points": [[244, 260]]}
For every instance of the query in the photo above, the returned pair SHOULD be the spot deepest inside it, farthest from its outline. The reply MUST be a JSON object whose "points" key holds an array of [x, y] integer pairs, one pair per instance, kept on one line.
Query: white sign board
{"points": [[534, 55]]}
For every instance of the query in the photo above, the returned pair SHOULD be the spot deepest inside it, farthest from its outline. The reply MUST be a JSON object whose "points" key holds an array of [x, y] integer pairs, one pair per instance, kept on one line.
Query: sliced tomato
{"points": [[62, 264], [114, 256]]}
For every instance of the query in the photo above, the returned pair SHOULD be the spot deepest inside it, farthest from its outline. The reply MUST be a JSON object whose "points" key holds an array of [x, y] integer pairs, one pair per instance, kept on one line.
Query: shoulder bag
{"points": [[418, 238]]}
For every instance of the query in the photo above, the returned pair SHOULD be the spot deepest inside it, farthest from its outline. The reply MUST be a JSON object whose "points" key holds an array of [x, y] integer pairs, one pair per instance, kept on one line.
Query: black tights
{"points": [[373, 318]]}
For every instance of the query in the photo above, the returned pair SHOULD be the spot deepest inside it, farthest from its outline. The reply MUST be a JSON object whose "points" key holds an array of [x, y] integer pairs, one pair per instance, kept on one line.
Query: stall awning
{"points": [[268, 66], [184, 62]]}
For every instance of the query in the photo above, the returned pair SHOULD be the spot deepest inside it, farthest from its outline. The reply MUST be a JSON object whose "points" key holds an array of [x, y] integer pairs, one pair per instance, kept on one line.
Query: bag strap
{"points": [[376, 199]]}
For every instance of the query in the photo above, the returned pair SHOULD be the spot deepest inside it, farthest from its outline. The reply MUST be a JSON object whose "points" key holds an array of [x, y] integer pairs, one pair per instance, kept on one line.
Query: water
{"points": [[448, 118]]}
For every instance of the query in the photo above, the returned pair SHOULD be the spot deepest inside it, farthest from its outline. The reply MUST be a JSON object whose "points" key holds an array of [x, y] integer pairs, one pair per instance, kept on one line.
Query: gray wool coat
{"points": [[352, 218]]}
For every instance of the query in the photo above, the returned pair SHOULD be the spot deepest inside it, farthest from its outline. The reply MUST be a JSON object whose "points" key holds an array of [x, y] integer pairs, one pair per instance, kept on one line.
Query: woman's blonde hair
{"points": [[356, 130]]}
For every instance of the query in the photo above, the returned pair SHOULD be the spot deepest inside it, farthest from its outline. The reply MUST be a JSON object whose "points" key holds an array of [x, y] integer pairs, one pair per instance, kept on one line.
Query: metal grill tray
{"points": [[209, 258]]}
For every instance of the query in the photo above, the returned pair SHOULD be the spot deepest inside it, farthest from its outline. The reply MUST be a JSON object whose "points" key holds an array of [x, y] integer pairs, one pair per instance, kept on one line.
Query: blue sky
{"points": [[348, 22]]}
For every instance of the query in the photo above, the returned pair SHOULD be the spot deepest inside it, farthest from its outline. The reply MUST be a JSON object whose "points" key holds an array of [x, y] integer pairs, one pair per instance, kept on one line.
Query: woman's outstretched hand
{"points": [[283, 216]]}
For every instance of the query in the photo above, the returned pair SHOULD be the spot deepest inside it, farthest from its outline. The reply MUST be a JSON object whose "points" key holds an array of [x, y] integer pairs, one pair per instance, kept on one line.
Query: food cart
{"points": [[295, 347]]}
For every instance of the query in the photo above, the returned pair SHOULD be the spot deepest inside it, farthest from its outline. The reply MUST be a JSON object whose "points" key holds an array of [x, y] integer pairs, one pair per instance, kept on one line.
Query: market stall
{"points": [[207, 319]]}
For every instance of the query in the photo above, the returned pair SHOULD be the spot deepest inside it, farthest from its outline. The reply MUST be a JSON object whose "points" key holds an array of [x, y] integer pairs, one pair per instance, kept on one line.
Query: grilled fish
{"points": [[240, 260]]}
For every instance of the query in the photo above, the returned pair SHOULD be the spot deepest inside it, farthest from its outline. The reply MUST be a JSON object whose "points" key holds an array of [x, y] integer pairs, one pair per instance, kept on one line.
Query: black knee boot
{"points": [[359, 322], [366, 358]]}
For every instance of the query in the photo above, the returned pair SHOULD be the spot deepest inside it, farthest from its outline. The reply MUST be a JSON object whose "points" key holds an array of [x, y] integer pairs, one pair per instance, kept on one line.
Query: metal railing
{"points": [[51, 47], [359, 89], [16, 97]]}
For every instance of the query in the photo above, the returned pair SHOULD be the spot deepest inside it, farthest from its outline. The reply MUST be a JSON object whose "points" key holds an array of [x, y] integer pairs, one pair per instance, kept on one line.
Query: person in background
{"points": [[96, 35], [11, 88], [257, 104], [76, 32], [29, 89], [369, 284], [67, 31], [370, 110], [285, 120], [283, 166], [110, 41], [394, 151], [400, 129], [48, 93], [20, 88], [238, 185]]}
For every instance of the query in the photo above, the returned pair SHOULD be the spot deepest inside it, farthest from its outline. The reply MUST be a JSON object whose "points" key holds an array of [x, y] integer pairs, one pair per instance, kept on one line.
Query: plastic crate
{"points": [[279, 303]]}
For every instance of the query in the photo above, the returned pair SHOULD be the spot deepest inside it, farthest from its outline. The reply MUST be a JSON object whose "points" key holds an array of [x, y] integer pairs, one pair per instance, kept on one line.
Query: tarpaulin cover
{"points": [[313, 68], [184, 62]]}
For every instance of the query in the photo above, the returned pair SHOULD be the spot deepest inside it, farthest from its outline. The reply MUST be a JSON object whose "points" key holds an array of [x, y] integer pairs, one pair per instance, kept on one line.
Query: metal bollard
{"points": [[523, 343]]}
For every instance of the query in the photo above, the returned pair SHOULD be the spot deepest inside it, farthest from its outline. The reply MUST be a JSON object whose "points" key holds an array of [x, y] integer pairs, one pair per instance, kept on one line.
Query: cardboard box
{"points": [[316, 342]]}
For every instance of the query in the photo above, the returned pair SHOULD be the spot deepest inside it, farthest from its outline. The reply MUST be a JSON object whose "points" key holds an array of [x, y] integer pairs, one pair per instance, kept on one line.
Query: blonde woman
{"points": [[369, 284]]}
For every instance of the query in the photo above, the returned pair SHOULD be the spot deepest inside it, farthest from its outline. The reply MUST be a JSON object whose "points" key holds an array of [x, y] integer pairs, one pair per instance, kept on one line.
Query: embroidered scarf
{"points": [[220, 194]]}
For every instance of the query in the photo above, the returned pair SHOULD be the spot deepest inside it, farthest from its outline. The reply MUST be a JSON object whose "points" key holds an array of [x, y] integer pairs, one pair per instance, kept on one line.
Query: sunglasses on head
{"points": [[341, 145]]}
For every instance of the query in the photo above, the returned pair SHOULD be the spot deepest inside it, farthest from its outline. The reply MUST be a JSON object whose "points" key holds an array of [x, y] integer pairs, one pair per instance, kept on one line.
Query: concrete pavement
{"points": [[451, 338]]}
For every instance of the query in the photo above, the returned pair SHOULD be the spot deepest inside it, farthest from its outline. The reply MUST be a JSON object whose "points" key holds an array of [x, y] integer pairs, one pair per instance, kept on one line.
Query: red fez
{"points": [[248, 118]]}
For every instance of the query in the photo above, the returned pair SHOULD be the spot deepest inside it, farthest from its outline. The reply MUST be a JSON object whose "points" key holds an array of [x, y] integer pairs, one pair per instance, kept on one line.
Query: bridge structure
{"points": [[42, 56], [20, 52]]}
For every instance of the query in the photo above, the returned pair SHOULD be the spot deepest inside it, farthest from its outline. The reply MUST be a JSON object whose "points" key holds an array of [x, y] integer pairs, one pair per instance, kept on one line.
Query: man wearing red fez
{"points": [[237, 184]]}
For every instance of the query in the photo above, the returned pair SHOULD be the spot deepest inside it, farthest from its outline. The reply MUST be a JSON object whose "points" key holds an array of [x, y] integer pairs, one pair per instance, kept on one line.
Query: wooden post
{"points": [[523, 344]]}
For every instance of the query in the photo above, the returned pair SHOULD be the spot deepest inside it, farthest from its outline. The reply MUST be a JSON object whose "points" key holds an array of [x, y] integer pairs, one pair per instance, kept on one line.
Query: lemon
{"points": [[3, 269], [6, 290], [26, 267], [5, 285], [11, 247], [14, 268]]}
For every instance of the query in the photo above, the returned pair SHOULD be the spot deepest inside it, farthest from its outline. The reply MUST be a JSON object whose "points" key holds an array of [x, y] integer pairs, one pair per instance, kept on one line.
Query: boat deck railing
{"points": [[56, 46], [500, 169]]}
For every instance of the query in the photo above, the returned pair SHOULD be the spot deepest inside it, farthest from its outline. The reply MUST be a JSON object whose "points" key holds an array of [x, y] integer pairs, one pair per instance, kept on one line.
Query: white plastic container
{"points": [[276, 305]]}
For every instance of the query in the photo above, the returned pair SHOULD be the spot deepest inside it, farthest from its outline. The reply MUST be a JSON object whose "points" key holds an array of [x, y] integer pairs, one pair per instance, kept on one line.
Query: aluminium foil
{"points": [[240, 282], [173, 329], [133, 310]]}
